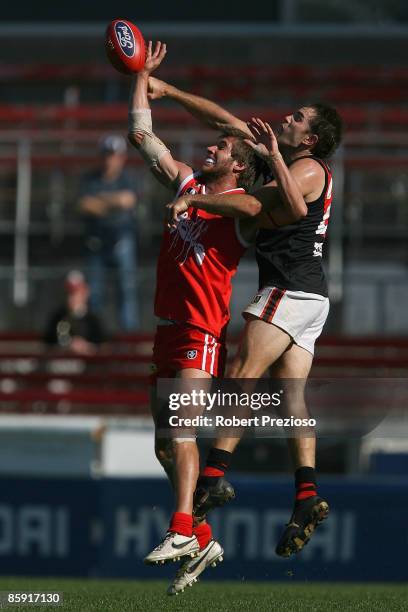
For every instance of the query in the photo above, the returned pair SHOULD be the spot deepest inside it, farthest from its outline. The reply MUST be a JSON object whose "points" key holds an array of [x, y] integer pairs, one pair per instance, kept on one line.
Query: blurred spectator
{"points": [[107, 202], [73, 326]]}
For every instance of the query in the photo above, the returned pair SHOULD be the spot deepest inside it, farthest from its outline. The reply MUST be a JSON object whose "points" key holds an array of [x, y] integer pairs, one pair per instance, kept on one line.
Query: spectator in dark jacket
{"points": [[107, 202], [73, 326]]}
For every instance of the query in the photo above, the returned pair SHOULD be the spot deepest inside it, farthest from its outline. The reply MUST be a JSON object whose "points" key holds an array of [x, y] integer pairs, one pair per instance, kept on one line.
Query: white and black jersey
{"points": [[290, 257]]}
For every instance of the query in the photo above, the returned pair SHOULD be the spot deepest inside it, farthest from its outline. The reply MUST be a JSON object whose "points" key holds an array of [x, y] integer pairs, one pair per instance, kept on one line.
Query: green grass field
{"points": [[206, 596]]}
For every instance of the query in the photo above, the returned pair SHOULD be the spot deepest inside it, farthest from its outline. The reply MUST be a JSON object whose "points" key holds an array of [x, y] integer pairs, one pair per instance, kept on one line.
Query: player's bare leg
{"points": [[262, 344], [162, 444], [309, 509], [186, 471], [184, 545], [295, 364], [179, 457], [186, 457]]}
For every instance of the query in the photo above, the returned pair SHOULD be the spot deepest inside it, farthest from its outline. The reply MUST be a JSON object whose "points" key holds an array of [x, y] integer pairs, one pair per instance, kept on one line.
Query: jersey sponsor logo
{"points": [[125, 38], [256, 299], [318, 249], [191, 354]]}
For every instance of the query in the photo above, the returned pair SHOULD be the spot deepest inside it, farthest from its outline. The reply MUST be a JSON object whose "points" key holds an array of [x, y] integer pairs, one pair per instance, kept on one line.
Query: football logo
{"points": [[125, 38], [191, 354]]}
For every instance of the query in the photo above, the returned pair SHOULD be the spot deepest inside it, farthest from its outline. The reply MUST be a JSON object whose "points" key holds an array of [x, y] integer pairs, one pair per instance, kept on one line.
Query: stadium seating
{"points": [[383, 84], [115, 381], [80, 102]]}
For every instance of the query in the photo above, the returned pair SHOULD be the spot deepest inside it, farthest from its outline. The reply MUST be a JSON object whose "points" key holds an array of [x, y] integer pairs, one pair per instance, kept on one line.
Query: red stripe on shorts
{"points": [[272, 304]]}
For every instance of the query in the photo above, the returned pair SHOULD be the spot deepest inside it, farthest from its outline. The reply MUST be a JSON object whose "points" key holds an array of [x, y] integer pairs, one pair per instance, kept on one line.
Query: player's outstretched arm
{"points": [[274, 205], [205, 110], [155, 153], [267, 204], [228, 205]]}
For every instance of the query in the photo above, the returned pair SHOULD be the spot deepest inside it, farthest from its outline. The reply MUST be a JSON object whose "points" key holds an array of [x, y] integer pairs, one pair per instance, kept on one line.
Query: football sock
{"points": [[305, 482], [203, 534], [181, 523], [217, 463]]}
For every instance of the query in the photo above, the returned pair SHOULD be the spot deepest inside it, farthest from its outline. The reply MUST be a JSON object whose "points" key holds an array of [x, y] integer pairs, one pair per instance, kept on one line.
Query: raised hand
{"points": [[154, 58], [264, 144]]}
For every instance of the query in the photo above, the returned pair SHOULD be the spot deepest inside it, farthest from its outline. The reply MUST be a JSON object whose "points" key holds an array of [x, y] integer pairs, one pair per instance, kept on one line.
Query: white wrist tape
{"points": [[151, 148]]}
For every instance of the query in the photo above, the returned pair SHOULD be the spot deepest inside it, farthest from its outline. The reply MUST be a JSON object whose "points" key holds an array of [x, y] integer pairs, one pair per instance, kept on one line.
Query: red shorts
{"points": [[178, 347]]}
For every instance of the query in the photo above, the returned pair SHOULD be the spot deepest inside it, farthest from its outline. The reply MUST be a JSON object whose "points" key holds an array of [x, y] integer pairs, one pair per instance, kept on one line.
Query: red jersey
{"points": [[196, 264]]}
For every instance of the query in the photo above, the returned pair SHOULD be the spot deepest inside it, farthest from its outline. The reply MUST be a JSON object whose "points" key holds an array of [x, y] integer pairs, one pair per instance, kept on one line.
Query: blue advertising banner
{"points": [[46, 526], [105, 528]]}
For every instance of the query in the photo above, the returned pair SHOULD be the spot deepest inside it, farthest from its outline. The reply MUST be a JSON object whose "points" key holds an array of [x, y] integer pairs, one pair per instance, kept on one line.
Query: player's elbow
{"points": [[253, 208], [300, 211]]}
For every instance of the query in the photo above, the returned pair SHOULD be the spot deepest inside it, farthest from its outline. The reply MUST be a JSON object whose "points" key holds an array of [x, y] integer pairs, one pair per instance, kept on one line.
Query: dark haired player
{"points": [[288, 313], [197, 261]]}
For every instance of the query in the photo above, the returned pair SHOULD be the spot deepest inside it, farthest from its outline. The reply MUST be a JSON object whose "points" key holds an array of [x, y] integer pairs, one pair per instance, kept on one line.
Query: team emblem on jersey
{"points": [[318, 249], [191, 354], [256, 299], [189, 231], [186, 236]]}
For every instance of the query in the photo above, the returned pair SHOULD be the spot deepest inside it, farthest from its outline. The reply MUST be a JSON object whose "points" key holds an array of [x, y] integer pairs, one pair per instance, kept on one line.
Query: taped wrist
{"points": [[151, 148]]}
